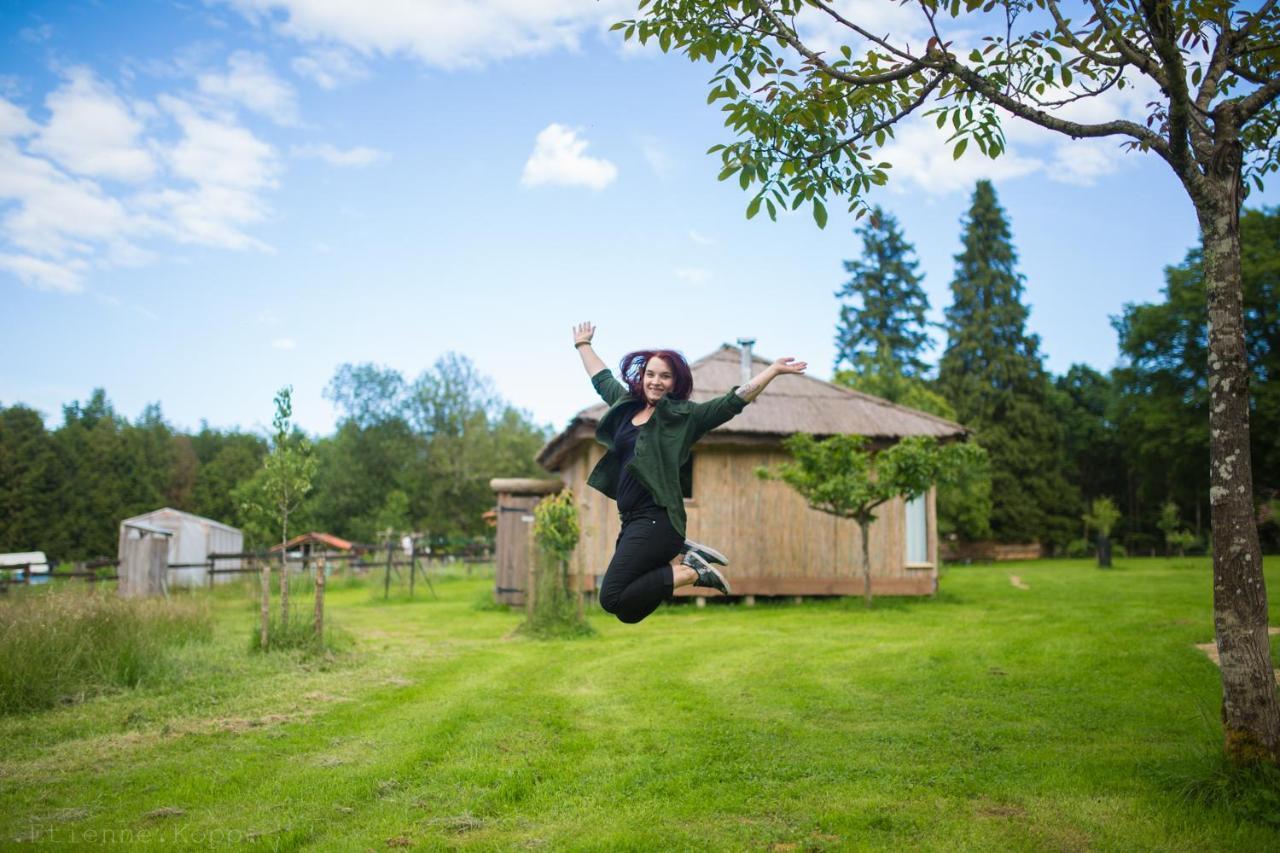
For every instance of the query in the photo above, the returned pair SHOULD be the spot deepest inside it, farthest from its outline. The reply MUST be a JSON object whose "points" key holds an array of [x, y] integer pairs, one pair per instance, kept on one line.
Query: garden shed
{"points": [[777, 544], [193, 539]]}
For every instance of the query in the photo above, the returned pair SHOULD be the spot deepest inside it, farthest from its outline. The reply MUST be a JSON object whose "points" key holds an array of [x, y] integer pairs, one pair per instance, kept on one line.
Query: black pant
{"points": [[639, 576]]}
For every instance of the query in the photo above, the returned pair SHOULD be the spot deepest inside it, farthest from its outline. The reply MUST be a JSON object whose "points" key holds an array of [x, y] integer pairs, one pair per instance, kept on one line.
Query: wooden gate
{"points": [[516, 500]]}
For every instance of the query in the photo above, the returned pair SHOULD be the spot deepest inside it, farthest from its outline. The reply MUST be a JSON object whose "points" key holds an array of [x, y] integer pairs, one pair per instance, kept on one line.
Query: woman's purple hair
{"points": [[633, 365]]}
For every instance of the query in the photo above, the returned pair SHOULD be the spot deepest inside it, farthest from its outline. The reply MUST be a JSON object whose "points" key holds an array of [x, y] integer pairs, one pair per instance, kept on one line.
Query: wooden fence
{"points": [[419, 563]]}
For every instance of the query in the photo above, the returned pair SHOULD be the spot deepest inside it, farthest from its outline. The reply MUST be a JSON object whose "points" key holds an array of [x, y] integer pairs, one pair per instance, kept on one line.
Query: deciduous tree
{"points": [[808, 121]]}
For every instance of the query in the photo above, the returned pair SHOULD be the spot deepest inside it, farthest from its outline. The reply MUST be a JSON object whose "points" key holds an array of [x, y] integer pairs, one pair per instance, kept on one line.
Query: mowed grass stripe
{"points": [[991, 717]]}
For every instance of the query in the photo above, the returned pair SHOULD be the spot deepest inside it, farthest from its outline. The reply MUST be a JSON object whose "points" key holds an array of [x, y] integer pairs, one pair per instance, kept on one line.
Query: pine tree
{"points": [[882, 318], [991, 372]]}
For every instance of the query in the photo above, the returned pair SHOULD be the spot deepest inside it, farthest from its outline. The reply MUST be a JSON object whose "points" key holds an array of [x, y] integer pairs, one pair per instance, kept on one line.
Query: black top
{"points": [[632, 495]]}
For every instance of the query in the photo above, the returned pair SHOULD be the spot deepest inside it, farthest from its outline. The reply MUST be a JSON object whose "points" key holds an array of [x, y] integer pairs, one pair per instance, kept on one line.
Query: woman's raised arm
{"points": [[582, 335], [751, 389]]}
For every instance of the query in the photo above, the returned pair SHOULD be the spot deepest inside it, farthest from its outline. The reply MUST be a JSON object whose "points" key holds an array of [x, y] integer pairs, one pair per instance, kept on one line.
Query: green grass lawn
{"points": [[1072, 715]]}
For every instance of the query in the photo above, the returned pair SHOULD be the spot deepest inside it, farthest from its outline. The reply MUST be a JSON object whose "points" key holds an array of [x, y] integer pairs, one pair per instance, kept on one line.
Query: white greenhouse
{"points": [[193, 539]]}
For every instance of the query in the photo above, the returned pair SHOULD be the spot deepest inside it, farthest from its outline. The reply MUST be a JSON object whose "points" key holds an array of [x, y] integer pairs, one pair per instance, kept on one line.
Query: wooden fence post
{"points": [[265, 574], [320, 599], [531, 585], [386, 580], [284, 586]]}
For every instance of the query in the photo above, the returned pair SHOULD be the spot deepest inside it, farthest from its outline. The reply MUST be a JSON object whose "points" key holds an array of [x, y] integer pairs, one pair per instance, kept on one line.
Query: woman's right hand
{"points": [[583, 333]]}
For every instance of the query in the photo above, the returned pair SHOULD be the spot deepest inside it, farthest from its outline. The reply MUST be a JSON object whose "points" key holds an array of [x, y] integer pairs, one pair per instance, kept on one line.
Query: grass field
{"points": [[1072, 715]]}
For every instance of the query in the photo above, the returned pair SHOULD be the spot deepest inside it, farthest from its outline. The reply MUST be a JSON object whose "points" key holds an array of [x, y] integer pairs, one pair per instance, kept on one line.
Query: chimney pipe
{"points": [[746, 344]]}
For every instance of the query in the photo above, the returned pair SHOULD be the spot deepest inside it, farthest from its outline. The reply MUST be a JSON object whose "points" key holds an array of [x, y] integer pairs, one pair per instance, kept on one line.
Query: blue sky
{"points": [[202, 202]]}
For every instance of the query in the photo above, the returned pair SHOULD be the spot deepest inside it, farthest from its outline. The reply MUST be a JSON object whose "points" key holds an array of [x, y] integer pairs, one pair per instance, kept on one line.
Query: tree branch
{"points": [[1263, 11], [1157, 14], [886, 123], [788, 35], [1246, 74], [1257, 100], [1063, 27], [1218, 65], [864, 33], [1087, 93], [1130, 51], [1119, 127]]}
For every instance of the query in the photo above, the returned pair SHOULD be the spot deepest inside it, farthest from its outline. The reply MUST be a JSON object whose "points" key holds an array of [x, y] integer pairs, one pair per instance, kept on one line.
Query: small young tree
{"points": [[555, 533], [276, 492], [1102, 517], [842, 476], [1176, 537]]}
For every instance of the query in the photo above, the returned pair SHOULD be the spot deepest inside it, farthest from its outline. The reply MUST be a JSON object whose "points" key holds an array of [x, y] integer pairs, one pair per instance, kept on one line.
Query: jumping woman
{"points": [[648, 431]]}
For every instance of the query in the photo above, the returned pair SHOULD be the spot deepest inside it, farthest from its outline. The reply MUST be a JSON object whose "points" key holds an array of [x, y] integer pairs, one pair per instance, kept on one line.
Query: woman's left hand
{"points": [[788, 365]]}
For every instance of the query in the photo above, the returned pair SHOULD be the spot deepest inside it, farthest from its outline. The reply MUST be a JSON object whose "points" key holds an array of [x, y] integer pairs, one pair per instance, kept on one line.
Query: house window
{"points": [[917, 528]]}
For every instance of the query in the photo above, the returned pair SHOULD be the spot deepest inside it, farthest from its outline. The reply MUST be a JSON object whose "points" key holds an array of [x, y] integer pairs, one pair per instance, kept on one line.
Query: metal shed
{"points": [[193, 539]]}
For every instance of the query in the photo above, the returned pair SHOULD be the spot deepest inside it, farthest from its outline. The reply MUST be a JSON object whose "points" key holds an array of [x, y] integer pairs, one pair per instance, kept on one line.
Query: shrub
{"points": [[555, 611], [1077, 548]]}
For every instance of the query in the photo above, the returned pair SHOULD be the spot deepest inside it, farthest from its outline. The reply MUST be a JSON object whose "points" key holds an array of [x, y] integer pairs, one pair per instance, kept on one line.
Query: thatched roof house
{"points": [[777, 544]]}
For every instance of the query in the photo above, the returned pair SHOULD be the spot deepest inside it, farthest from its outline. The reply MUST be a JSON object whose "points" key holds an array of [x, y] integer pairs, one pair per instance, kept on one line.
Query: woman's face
{"points": [[658, 380]]}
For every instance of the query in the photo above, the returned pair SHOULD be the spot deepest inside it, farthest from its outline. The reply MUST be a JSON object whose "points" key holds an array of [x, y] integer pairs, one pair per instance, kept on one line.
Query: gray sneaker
{"points": [[706, 552], [708, 575]]}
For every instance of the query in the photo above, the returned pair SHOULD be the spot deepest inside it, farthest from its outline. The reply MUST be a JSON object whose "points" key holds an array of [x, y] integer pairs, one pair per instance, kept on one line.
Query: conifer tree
{"points": [[992, 374], [882, 315]]}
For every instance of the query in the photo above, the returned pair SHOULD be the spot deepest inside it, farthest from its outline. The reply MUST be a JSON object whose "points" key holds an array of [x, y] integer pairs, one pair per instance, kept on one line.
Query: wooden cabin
{"points": [[776, 544]]}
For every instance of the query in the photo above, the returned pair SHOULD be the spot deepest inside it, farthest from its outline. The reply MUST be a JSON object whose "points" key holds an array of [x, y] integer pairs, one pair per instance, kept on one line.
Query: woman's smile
{"points": [[658, 379]]}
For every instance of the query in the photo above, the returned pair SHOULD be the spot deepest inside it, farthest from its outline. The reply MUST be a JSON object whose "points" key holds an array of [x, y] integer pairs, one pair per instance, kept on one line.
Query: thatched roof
{"points": [[789, 405]]}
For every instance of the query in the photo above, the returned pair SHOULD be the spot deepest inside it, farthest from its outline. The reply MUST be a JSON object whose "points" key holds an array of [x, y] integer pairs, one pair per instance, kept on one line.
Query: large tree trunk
{"points": [[1250, 712]]}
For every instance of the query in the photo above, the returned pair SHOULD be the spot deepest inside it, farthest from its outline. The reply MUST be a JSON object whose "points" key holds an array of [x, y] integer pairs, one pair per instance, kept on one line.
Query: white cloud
{"points": [[249, 81], [93, 132], [699, 238], [36, 35], [440, 33], [656, 155], [14, 122], [357, 156], [559, 158], [693, 275], [284, 343], [329, 67], [922, 159], [224, 168], [45, 275], [55, 214], [59, 222], [824, 34]]}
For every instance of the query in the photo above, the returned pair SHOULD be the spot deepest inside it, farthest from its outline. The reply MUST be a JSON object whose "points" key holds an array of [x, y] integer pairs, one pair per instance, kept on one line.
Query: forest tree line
{"points": [[1137, 434], [407, 455], [417, 454]]}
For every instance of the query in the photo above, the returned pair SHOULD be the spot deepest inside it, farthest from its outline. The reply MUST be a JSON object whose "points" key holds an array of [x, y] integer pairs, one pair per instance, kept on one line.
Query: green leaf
{"points": [[819, 213], [960, 146], [754, 207]]}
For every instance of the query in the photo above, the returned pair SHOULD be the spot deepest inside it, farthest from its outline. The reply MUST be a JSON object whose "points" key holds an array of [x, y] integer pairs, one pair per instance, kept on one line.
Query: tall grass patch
{"points": [[61, 645]]}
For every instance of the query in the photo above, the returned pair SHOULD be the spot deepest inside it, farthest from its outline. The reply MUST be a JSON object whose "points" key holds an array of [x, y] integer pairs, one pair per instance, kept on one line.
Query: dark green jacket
{"points": [[661, 463]]}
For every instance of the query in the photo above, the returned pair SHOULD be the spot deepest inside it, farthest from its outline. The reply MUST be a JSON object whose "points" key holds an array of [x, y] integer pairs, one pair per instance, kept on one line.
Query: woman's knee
{"points": [[609, 597]]}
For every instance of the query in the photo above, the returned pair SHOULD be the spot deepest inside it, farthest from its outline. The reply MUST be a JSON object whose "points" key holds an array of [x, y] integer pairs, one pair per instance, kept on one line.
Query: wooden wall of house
{"points": [[777, 544]]}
